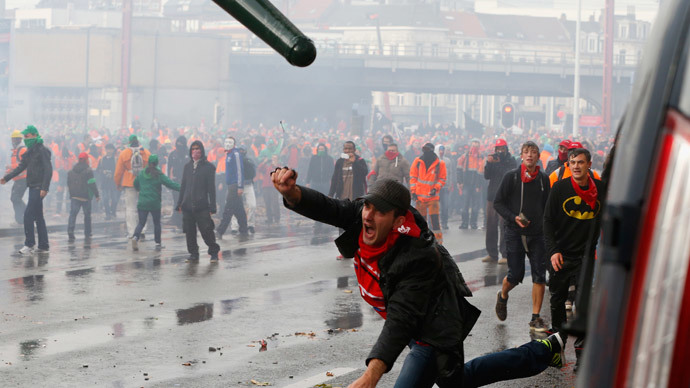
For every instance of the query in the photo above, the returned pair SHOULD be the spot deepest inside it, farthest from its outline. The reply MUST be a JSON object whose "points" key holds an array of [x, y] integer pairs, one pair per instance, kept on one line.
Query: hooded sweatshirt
{"points": [[81, 183], [198, 187]]}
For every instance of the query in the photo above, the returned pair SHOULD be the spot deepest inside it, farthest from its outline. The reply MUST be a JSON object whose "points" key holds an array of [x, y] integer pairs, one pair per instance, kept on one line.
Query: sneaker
{"points": [[463, 226], [556, 345], [537, 325], [192, 259], [251, 229], [159, 246], [41, 250], [70, 238], [340, 257], [568, 305], [501, 307], [135, 244], [26, 250], [233, 232], [488, 259], [445, 227], [214, 258], [142, 237], [503, 260]]}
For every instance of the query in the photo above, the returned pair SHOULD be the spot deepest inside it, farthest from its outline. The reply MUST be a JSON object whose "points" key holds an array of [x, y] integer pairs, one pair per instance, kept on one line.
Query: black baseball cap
{"points": [[388, 194]]}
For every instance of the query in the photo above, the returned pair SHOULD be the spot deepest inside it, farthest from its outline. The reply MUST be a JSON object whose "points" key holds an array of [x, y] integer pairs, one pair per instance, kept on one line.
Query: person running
{"points": [[148, 184], [520, 200], [39, 172], [414, 284]]}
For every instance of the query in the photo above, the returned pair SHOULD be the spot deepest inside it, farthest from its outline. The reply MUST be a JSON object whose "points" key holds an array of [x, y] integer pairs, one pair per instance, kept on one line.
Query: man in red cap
{"points": [[561, 159], [497, 165], [82, 189], [563, 171]]}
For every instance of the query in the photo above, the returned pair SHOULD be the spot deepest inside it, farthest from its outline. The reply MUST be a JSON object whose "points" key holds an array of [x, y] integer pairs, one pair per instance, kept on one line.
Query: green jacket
{"points": [[150, 190]]}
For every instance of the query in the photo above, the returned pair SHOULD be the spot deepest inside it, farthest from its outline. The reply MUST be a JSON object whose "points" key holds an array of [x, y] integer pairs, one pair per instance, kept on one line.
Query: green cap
{"points": [[132, 138], [30, 130], [153, 158]]}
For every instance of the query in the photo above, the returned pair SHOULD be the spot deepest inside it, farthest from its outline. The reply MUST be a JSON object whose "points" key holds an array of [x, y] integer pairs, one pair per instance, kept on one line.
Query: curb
{"points": [[19, 231]]}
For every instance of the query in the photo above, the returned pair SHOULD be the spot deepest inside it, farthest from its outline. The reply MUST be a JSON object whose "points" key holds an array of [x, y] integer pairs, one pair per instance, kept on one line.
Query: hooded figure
{"points": [[82, 188], [197, 201]]}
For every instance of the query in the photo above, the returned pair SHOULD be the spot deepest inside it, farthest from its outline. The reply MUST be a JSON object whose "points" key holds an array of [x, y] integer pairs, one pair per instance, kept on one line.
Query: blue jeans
{"points": [[143, 214], [419, 368], [34, 213], [74, 211]]}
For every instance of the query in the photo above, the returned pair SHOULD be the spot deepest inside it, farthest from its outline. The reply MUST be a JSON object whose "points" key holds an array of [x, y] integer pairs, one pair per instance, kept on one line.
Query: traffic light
{"points": [[507, 115]]}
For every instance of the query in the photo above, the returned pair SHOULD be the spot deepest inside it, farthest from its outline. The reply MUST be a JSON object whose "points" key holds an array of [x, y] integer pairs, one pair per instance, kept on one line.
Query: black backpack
{"points": [[249, 169]]}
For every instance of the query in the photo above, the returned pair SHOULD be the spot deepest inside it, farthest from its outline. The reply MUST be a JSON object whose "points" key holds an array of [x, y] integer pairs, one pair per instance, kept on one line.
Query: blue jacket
{"points": [[234, 173]]}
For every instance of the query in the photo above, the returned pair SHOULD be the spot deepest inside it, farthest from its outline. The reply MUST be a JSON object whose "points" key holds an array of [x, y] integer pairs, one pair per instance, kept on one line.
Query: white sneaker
{"points": [[26, 250]]}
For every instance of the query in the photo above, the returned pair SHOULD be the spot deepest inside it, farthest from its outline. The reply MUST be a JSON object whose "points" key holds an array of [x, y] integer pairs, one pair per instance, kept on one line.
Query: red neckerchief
{"points": [[526, 176], [391, 154], [409, 227], [589, 195]]}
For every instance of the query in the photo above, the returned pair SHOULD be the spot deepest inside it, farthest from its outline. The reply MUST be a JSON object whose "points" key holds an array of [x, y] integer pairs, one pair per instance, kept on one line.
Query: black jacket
{"points": [[39, 169], [81, 182], [423, 288], [507, 201], [106, 171], [320, 170], [198, 187], [177, 159], [359, 176], [494, 172], [552, 166]]}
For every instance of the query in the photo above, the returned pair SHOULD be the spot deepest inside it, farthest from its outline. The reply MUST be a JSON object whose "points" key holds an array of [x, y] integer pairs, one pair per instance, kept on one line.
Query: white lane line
{"points": [[320, 378]]}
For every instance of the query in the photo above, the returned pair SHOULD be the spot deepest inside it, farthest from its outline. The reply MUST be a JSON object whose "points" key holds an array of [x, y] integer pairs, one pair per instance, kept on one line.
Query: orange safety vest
{"points": [[21, 150], [556, 175], [545, 157], [423, 179], [473, 163]]}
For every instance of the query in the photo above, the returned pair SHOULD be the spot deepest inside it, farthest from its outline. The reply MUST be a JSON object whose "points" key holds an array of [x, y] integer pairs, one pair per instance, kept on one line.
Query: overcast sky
{"points": [[644, 9]]}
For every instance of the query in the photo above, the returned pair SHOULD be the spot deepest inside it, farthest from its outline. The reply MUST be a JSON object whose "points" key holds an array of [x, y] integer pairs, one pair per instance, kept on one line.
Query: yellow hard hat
{"points": [[16, 133]]}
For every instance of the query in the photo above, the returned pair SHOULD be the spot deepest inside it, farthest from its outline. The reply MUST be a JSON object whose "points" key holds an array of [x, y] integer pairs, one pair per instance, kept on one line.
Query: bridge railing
{"points": [[558, 55]]}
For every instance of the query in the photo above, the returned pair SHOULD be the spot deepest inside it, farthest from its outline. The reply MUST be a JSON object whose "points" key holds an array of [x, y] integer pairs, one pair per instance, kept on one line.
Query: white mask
{"points": [[229, 144]]}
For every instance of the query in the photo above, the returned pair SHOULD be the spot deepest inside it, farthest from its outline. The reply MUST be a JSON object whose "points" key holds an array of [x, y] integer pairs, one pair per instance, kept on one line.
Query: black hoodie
{"points": [[198, 186], [81, 182]]}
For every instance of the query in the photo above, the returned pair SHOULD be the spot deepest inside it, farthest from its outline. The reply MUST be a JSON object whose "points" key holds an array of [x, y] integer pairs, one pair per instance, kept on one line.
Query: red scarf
{"points": [[589, 195], [391, 154], [526, 176]]}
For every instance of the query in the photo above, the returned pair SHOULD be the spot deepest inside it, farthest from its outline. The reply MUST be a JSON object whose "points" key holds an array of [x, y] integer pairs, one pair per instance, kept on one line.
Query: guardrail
{"points": [[454, 53]]}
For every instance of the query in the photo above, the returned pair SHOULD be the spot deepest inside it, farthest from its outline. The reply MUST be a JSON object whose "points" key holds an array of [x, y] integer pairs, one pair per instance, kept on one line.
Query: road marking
{"points": [[320, 378]]}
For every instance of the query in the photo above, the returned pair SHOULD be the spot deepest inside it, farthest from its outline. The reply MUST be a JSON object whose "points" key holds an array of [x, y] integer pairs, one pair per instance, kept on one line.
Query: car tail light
{"points": [[656, 336]]}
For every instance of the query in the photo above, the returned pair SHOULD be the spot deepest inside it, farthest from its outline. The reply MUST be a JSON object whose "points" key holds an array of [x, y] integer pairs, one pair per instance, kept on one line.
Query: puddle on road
{"points": [[345, 314]]}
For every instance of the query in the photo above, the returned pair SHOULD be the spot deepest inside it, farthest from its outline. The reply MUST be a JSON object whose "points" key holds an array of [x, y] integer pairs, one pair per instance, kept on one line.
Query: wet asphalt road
{"points": [[98, 314]]}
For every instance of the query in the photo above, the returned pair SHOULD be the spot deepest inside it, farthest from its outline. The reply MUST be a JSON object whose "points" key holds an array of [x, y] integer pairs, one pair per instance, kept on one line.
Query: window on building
{"points": [[401, 99], [33, 23], [418, 100]]}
